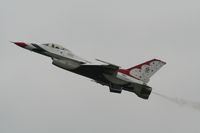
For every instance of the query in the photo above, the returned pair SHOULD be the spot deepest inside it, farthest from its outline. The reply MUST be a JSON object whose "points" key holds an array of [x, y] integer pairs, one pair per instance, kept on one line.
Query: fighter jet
{"points": [[133, 79]]}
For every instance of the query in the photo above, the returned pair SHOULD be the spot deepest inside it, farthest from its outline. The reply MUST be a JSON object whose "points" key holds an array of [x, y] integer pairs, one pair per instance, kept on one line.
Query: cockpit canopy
{"points": [[57, 46]]}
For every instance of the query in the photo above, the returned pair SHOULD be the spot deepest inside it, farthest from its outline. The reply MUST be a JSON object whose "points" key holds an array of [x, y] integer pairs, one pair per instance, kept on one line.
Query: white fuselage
{"points": [[60, 53], [66, 59]]}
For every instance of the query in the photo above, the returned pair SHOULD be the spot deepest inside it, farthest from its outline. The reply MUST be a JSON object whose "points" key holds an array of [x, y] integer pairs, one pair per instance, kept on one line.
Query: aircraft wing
{"points": [[96, 72], [106, 69], [113, 65]]}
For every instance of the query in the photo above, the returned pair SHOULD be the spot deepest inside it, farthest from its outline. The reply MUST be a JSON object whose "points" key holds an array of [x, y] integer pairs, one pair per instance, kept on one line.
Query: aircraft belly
{"points": [[128, 78], [66, 64], [114, 79]]}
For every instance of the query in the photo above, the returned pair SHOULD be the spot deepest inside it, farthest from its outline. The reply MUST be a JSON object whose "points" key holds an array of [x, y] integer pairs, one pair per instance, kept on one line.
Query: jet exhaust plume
{"points": [[180, 101]]}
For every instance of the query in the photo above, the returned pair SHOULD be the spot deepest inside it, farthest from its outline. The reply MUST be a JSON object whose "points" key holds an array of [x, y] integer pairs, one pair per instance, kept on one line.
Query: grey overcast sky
{"points": [[37, 97]]}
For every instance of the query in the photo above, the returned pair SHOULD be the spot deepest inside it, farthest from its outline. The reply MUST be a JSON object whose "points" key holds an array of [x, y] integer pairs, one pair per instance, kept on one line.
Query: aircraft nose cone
{"points": [[21, 44]]}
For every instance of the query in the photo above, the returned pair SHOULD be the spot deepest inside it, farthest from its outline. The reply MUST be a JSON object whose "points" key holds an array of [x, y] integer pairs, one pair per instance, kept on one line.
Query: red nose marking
{"points": [[21, 44]]}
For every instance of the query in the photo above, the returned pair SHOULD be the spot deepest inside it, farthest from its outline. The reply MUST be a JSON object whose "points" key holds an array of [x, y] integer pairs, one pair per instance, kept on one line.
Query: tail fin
{"points": [[145, 70]]}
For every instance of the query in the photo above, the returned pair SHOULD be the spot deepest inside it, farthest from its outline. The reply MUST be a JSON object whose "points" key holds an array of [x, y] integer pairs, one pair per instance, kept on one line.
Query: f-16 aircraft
{"points": [[133, 79]]}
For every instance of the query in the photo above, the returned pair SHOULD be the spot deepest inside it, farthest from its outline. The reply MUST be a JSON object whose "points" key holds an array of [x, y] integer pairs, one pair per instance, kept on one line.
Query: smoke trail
{"points": [[180, 101]]}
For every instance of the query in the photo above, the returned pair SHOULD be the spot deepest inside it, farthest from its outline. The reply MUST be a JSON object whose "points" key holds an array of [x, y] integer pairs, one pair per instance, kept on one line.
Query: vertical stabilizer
{"points": [[145, 70]]}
